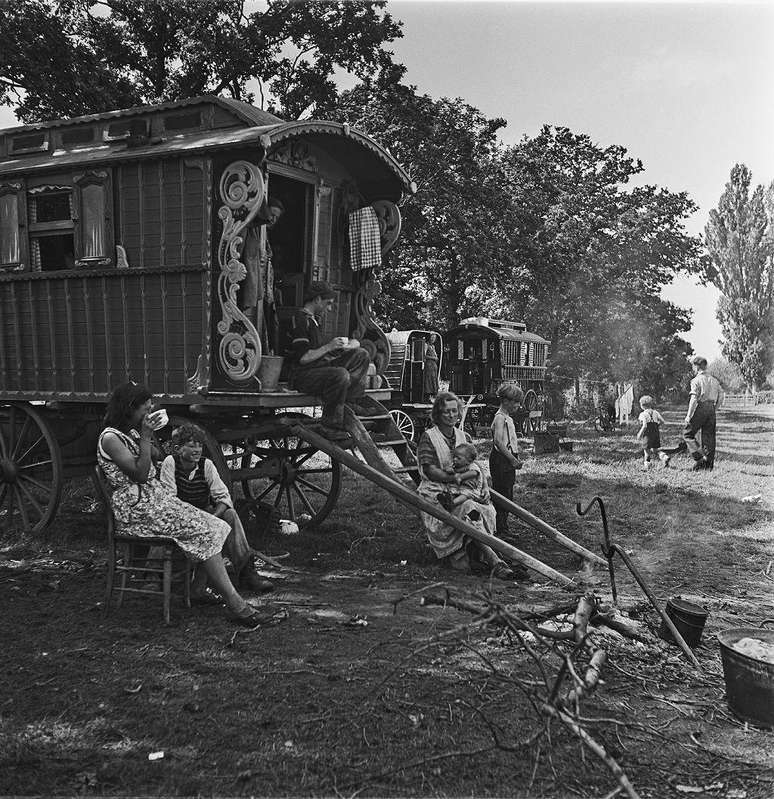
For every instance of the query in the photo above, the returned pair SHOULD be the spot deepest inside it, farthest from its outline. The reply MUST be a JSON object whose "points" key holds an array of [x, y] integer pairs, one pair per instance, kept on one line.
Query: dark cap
{"points": [[319, 288]]}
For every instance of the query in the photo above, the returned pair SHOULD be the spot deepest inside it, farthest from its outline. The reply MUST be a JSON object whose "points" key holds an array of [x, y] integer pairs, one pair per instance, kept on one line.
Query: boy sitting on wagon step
{"points": [[335, 371]]}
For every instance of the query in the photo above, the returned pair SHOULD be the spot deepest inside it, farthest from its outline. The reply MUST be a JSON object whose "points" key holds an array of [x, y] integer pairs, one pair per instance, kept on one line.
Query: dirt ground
{"points": [[359, 689]]}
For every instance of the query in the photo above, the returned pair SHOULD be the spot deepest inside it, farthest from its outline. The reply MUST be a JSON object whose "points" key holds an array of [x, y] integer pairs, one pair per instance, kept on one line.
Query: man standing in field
{"points": [[706, 399]]}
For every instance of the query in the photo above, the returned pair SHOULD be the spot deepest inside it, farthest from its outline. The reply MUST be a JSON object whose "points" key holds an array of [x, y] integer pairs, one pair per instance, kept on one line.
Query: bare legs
{"points": [[217, 575]]}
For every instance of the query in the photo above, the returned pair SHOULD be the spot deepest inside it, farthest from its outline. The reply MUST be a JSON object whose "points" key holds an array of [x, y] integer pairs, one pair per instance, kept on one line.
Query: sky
{"points": [[686, 88]]}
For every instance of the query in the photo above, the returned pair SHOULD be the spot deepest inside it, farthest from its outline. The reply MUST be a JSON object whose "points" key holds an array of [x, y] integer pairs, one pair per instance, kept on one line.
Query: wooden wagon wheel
{"points": [[531, 400], [302, 482], [30, 469], [404, 423]]}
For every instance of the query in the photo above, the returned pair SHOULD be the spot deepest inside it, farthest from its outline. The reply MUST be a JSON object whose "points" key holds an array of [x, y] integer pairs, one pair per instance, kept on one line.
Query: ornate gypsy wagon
{"points": [[482, 353], [125, 242]]}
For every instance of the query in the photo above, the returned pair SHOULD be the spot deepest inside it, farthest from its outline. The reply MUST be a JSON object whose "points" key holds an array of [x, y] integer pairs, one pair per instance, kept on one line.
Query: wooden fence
{"points": [[734, 402]]}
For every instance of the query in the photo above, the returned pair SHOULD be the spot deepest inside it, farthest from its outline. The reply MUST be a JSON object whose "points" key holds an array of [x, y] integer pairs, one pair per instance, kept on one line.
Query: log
{"points": [[590, 678], [411, 498], [538, 524], [528, 612], [620, 626], [580, 622]]}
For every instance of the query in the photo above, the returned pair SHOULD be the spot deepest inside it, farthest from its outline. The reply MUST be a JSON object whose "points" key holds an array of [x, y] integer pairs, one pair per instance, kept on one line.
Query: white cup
{"points": [[158, 419]]}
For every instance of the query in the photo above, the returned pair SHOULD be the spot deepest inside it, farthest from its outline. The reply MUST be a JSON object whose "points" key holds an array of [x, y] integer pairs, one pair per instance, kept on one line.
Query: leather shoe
{"points": [[332, 433], [363, 410], [250, 580], [205, 597], [250, 617]]}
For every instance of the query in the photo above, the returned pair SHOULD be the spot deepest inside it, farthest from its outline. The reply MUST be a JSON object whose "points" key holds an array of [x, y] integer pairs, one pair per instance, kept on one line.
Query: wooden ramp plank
{"points": [[410, 497], [544, 527]]}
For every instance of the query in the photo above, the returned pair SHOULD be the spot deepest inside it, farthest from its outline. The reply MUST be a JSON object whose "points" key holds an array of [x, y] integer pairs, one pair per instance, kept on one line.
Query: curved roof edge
{"points": [[287, 130], [502, 333]]}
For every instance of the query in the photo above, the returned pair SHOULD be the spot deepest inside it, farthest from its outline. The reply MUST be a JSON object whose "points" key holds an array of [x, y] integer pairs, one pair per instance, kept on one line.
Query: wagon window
{"points": [[50, 211], [70, 224]]}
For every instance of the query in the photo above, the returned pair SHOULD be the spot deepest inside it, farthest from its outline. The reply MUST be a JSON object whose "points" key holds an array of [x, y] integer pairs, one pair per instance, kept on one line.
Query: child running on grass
{"points": [[650, 433]]}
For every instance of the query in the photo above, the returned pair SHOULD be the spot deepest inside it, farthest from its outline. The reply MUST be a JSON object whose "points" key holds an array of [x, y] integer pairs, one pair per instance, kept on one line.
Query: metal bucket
{"points": [[269, 371], [749, 681], [687, 617]]}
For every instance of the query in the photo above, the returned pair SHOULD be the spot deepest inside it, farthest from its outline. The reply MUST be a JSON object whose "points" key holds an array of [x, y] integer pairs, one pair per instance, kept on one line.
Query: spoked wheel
{"points": [[30, 469], [530, 401], [404, 423], [283, 470]]}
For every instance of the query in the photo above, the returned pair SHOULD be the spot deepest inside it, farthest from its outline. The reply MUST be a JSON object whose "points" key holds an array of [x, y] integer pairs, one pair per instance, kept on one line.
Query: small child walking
{"points": [[650, 433]]}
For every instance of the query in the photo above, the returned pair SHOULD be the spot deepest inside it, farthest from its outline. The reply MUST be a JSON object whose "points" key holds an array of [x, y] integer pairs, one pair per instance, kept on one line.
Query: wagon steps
{"points": [[378, 471], [377, 433]]}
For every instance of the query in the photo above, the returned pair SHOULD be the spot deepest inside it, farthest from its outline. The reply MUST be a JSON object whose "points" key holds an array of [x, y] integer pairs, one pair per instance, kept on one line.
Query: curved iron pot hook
{"points": [[607, 550]]}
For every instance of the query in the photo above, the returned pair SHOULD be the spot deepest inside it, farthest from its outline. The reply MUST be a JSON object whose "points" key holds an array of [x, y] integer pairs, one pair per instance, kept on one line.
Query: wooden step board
{"points": [[374, 433]]}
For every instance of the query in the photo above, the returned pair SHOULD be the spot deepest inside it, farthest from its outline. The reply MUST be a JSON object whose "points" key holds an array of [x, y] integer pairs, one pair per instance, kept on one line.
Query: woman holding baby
{"points": [[438, 449], [142, 505]]}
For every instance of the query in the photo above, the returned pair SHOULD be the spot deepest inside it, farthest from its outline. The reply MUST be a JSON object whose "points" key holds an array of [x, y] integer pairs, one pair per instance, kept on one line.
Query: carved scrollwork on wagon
{"points": [[242, 191], [388, 215], [368, 288], [296, 154]]}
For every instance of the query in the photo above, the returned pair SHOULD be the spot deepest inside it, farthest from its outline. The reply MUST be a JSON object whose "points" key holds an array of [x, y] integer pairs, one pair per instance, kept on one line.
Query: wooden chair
{"points": [[127, 558]]}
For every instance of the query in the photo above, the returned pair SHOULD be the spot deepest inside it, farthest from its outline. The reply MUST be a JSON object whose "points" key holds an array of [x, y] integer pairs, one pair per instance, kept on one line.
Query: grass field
{"points": [[361, 690]]}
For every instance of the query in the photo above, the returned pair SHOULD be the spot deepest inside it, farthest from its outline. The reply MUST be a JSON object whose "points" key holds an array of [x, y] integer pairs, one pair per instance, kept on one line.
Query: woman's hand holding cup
{"points": [[157, 419]]}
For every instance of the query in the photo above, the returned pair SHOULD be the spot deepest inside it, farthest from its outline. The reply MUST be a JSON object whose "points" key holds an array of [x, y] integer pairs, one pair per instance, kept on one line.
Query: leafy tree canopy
{"points": [[598, 254], [740, 241], [546, 231], [76, 57]]}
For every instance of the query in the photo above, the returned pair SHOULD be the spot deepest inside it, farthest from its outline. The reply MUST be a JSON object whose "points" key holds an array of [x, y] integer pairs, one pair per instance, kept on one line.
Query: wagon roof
{"points": [[244, 111], [501, 332], [380, 174], [399, 337]]}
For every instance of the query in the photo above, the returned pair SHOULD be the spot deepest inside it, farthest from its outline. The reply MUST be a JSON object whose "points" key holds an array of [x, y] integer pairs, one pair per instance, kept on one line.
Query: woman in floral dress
{"points": [[143, 506]]}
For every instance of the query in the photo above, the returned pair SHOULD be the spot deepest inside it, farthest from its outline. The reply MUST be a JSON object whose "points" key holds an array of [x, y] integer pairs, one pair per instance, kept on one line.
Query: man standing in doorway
{"points": [[706, 399], [257, 290]]}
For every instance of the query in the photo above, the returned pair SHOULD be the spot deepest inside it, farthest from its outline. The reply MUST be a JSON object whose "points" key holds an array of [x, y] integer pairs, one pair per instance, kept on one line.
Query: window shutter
{"points": [[13, 227], [94, 244]]}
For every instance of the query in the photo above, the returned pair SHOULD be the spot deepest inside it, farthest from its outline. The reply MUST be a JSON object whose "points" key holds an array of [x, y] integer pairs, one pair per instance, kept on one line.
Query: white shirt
{"points": [[218, 490], [650, 415], [706, 388]]}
